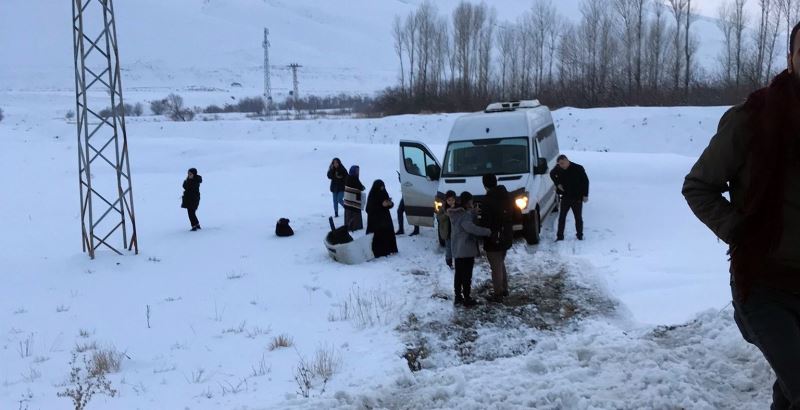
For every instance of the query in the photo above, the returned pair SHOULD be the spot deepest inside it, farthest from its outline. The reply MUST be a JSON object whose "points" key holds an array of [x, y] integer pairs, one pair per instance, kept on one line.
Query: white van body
{"points": [[516, 141]]}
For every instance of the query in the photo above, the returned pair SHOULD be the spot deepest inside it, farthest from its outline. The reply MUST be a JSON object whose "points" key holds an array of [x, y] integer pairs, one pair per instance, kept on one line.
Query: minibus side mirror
{"points": [[541, 167]]}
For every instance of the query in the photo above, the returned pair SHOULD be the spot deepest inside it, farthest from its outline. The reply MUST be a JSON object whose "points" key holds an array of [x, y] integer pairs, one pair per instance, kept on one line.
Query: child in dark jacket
{"points": [[443, 221]]}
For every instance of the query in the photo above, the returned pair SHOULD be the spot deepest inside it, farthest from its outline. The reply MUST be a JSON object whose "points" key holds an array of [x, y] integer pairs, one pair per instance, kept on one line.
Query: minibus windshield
{"points": [[499, 156]]}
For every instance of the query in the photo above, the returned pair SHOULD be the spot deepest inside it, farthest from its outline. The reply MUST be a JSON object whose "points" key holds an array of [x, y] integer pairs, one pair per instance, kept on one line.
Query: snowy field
{"points": [[635, 316]]}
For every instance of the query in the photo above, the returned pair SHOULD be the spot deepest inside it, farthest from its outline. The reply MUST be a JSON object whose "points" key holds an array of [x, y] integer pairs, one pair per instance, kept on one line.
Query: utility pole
{"points": [[104, 170], [267, 83], [296, 93]]}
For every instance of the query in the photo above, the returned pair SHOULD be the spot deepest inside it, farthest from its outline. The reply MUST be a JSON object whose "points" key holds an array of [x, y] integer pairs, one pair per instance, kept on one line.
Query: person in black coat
{"points": [[379, 220], [337, 173], [191, 196], [573, 186], [496, 214]]}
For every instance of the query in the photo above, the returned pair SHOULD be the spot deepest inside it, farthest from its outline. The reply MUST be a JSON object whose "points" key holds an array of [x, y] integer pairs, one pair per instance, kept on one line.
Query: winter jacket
{"points": [[726, 165], [443, 221], [573, 179], [464, 234], [496, 214], [191, 192], [338, 176], [353, 193]]}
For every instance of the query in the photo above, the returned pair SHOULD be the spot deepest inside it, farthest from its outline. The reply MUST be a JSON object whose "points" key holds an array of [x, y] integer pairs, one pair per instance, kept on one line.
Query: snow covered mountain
{"points": [[344, 46]]}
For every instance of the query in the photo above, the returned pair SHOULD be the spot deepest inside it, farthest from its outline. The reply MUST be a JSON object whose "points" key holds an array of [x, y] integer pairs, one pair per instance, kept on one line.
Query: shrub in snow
{"points": [[280, 341], [254, 105], [105, 361], [1, 114], [175, 109], [70, 115], [84, 383], [126, 109], [172, 107], [159, 107]]}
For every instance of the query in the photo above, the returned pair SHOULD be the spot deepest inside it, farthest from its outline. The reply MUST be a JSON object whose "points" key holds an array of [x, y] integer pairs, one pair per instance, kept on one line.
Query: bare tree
{"points": [[657, 42], [626, 12], [678, 9], [789, 11], [639, 8], [725, 23], [412, 31], [462, 24], [773, 27], [508, 48], [398, 36], [486, 40], [739, 23], [688, 50]]}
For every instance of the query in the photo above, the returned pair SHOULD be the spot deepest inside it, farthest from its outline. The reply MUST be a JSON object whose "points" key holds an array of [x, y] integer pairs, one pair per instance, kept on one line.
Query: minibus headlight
{"points": [[522, 202]]}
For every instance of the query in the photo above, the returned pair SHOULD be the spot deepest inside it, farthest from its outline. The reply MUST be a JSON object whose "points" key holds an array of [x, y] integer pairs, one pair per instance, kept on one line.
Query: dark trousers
{"points": [[770, 320], [497, 262], [401, 209], [576, 205], [193, 216], [463, 278]]}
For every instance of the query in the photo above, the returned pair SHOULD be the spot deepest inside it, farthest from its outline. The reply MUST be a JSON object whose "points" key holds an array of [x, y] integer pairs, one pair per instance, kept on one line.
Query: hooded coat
{"points": [[379, 221], [191, 192], [337, 177], [464, 233]]}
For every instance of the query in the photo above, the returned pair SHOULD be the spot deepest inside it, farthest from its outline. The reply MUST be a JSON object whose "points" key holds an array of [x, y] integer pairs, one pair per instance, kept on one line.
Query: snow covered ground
{"points": [[636, 316]]}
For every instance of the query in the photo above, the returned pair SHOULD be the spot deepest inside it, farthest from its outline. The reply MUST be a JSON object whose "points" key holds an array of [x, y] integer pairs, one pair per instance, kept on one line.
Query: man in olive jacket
{"points": [[755, 155]]}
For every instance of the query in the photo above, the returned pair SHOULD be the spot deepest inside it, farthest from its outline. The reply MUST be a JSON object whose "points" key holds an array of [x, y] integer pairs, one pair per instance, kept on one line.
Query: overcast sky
{"points": [[709, 7]]}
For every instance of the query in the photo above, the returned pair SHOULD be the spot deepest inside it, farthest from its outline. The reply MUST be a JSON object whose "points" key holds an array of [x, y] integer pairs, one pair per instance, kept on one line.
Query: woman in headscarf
{"points": [[353, 200], [379, 220], [337, 173]]}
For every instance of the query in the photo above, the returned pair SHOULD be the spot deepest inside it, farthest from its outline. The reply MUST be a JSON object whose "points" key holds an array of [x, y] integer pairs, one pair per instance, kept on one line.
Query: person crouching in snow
{"points": [[379, 220], [191, 196], [464, 235], [353, 200], [443, 221]]}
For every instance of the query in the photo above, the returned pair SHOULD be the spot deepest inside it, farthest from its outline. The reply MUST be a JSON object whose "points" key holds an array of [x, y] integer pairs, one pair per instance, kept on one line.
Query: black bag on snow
{"points": [[283, 229], [338, 236]]}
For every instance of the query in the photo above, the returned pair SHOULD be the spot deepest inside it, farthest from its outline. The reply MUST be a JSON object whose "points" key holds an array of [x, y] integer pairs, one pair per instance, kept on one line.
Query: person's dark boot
{"points": [[416, 231], [559, 238], [458, 300], [400, 232], [580, 236], [470, 302], [449, 263], [194, 228]]}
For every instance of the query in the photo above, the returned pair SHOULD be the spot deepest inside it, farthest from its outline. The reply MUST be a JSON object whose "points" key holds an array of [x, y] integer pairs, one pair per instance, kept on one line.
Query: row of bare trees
{"points": [[620, 52], [751, 57]]}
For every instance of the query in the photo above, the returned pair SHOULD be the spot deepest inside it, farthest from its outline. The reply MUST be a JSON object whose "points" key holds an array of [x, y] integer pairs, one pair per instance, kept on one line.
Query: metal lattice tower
{"points": [[296, 84], [104, 170], [267, 83]]}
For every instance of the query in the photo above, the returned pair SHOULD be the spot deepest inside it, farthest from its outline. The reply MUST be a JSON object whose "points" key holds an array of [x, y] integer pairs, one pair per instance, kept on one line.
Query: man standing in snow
{"points": [[573, 186], [191, 196], [756, 156], [496, 212]]}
